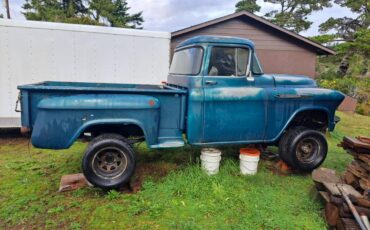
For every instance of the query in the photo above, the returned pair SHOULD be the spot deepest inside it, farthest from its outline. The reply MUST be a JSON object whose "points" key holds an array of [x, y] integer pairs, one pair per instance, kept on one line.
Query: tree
{"points": [[74, 7], [324, 38], [346, 27], [100, 9], [293, 13], [247, 5], [93, 12], [42, 10], [115, 13], [353, 31], [67, 11], [120, 17]]}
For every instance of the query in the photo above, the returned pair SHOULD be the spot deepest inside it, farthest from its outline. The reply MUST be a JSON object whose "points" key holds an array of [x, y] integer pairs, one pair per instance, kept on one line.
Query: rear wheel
{"points": [[109, 161], [303, 149]]}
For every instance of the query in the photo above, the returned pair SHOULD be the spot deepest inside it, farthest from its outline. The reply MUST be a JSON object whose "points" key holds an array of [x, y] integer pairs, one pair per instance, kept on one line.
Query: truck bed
{"points": [[45, 106], [101, 87]]}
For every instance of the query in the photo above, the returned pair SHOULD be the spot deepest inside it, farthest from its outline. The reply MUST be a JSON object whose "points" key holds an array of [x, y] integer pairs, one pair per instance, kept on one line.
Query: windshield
{"points": [[187, 61]]}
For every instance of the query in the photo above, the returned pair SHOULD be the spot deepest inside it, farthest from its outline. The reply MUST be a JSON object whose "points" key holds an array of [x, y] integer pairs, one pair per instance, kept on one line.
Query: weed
{"points": [[112, 195], [75, 226], [56, 210]]}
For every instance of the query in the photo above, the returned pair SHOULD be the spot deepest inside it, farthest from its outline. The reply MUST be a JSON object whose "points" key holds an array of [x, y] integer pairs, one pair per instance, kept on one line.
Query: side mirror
{"points": [[250, 76]]}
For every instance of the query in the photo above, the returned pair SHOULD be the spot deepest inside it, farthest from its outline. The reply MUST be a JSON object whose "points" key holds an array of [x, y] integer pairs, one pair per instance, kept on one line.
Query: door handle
{"points": [[211, 82]]}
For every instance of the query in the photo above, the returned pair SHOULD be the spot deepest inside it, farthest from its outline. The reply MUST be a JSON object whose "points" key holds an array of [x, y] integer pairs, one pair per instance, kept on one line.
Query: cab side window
{"points": [[228, 61]]}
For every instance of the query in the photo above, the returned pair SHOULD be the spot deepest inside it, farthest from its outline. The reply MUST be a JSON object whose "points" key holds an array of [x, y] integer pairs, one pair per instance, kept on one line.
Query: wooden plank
{"points": [[364, 168], [325, 196], [356, 145], [360, 201], [357, 170], [357, 142], [364, 158], [364, 184], [333, 189], [360, 166], [365, 140], [344, 214], [321, 175], [337, 200], [349, 177], [331, 214], [359, 209], [347, 224]]}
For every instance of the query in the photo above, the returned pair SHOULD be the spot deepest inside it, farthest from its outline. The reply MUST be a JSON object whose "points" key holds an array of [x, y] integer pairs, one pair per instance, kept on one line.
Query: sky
{"points": [[172, 15]]}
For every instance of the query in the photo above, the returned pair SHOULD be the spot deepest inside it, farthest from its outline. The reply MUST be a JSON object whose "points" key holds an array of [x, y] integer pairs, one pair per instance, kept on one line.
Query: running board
{"points": [[168, 144]]}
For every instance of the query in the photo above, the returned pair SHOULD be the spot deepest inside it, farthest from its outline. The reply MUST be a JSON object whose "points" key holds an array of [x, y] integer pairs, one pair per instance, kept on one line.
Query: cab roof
{"points": [[215, 40]]}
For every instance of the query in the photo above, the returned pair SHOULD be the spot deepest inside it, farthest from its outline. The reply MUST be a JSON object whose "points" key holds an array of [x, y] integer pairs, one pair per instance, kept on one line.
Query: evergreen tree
{"points": [[346, 27], [293, 14], [120, 17], [100, 10], [247, 5], [93, 12], [74, 6], [353, 31]]}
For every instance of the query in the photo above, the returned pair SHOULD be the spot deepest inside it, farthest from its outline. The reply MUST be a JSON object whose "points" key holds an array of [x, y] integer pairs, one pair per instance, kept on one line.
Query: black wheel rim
{"points": [[109, 163], [308, 150]]}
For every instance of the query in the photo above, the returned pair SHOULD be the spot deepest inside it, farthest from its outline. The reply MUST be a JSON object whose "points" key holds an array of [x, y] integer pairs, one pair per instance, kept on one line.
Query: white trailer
{"points": [[42, 51]]}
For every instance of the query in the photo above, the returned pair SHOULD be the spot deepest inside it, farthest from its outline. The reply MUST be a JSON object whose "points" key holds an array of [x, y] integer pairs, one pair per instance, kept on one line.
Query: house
{"points": [[279, 50]]}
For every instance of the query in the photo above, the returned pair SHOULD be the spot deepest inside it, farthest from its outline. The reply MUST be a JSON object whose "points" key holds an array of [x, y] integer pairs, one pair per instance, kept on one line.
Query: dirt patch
{"points": [[12, 137], [13, 141], [154, 171], [15, 144], [16, 227]]}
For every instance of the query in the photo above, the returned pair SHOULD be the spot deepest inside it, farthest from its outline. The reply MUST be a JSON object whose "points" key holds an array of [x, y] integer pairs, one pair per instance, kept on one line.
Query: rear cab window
{"points": [[187, 61], [229, 61]]}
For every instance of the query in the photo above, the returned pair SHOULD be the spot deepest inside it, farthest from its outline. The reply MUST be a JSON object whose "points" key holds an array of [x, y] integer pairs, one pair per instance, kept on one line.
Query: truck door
{"points": [[234, 108]]}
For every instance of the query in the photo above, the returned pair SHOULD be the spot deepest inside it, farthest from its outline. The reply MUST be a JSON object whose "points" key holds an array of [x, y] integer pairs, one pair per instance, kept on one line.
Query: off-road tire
{"points": [[109, 161], [284, 140], [303, 149]]}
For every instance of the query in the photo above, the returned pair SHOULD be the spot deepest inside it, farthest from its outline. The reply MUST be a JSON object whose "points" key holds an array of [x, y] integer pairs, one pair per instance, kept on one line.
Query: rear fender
{"points": [[107, 122], [61, 120]]}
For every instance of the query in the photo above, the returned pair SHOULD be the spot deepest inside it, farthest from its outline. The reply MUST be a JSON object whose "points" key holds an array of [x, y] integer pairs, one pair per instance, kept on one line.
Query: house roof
{"points": [[320, 49], [216, 39]]}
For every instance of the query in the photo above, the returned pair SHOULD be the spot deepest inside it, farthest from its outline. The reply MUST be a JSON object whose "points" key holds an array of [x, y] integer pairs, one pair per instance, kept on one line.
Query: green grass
{"points": [[185, 198]]}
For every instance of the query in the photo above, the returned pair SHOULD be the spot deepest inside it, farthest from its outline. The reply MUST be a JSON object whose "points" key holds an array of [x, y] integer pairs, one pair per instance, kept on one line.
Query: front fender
{"points": [[316, 108], [61, 120]]}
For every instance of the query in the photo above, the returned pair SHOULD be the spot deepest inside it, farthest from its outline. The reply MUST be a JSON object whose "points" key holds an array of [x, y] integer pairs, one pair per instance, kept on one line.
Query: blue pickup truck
{"points": [[216, 94]]}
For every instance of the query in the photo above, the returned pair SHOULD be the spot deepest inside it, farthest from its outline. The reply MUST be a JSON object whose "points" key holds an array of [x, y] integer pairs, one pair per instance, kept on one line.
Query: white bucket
{"points": [[248, 164], [210, 160]]}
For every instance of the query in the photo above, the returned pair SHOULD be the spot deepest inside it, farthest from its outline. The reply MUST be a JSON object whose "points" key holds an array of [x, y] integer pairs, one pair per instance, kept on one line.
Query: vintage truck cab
{"points": [[216, 94]]}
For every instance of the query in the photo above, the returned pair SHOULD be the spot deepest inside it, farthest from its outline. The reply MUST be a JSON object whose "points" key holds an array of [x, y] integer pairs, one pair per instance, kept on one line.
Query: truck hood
{"points": [[284, 80]]}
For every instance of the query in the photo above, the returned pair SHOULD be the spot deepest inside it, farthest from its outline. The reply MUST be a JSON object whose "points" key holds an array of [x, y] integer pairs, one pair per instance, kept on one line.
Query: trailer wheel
{"points": [[304, 149], [109, 161]]}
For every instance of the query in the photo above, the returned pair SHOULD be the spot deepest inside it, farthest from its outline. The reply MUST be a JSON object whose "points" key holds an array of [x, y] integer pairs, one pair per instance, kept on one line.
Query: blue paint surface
{"points": [[235, 110]]}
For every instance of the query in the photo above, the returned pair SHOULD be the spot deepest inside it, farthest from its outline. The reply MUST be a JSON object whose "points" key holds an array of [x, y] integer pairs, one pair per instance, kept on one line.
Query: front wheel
{"points": [[109, 161], [304, 149]]}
